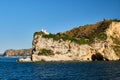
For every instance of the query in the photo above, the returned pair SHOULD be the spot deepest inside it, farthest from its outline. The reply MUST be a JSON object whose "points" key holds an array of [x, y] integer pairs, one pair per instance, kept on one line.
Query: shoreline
{"points": [[66, 61], [61, 61], [28, 59]]}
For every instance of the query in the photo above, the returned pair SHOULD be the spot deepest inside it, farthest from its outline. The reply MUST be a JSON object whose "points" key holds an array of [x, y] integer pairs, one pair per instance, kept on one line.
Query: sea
{"points": [[98, 70]]}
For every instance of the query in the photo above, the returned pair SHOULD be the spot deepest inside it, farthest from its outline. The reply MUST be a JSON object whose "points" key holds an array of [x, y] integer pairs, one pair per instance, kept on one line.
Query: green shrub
{"points": [[58, 37], [65, 38], [83, 41], [117, 50], [115, 40], [38, 33], [46, 52], [98, 36], [54, 36]]}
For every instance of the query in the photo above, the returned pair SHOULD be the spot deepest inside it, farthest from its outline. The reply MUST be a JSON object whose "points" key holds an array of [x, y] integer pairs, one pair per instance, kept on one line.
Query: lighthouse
{"points": [[44, 31]]}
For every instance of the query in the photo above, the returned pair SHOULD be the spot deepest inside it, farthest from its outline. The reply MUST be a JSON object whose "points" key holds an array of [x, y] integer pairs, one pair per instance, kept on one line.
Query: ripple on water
{"points": [[60, 71]]}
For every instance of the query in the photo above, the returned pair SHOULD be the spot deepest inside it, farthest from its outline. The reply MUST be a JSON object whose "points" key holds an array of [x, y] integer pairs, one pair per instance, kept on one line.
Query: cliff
{"points": [[21, 52], [100, 41]]}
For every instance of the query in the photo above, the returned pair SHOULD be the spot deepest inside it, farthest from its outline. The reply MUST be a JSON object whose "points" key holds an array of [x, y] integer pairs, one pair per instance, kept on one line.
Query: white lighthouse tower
{"points": [[44, 31]]}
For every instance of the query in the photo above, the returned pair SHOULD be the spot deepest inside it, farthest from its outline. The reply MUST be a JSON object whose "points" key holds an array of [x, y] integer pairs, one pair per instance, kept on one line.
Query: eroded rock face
{"points": [[114, 30], [61, 48], [69, 51], [75, 51]]}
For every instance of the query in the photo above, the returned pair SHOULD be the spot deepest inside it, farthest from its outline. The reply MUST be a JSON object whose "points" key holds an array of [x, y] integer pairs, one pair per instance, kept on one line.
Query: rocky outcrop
{"points": [[21, 52], [27, 59], [101, 42], [67, 51], [114, 30]]}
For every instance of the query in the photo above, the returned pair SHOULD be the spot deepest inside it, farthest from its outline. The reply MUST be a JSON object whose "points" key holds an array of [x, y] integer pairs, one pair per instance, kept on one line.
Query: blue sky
{"points": [[19, 19]]}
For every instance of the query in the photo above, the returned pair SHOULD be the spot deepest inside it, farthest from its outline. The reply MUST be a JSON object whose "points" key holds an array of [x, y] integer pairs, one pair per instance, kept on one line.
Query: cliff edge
{"points": [[95, 42]]}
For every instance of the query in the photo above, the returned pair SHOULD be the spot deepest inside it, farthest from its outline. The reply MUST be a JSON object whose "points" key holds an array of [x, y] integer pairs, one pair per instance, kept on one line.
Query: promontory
{"points": [[92, 42]]}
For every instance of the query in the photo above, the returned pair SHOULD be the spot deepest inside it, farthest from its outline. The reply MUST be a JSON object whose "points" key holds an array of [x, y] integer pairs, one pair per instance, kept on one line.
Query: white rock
{"points": [[28, 59]]}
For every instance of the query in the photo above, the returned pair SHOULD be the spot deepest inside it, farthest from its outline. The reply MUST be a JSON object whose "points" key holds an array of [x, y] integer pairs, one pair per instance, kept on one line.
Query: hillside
{"points": [[21, 52], [83, 34], [88, 30], [100, 41]]}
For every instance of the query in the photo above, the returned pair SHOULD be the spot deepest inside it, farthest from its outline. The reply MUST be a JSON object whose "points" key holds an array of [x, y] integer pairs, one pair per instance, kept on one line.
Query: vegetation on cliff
{"points": [[86, 34], [87, 31], [116, 47], [45, 52]]}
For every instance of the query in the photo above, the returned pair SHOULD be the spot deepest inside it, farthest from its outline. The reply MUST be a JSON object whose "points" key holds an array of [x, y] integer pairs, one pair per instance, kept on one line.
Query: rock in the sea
{"points": [[27, 59]]}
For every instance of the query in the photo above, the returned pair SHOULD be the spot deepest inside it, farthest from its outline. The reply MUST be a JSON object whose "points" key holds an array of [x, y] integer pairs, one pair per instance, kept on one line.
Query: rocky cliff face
{"points": [[92, 45], [21, 52]]}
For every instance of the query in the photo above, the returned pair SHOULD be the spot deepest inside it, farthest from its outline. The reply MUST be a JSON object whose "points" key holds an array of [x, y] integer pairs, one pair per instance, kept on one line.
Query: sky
{"points": [[19, 19]]}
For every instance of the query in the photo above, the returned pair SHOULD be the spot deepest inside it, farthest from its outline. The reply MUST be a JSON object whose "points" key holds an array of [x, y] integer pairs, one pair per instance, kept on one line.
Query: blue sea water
{"points": [[11, 70]]}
